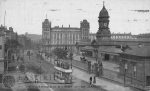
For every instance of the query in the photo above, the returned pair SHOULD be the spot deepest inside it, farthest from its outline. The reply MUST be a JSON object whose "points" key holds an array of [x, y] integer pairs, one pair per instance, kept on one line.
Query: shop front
{"points": [[88, 51], [110, 54]]}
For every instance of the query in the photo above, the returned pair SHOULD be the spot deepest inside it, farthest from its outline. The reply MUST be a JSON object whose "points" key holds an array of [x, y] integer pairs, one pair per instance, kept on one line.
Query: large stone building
{"points": [[115, 36], [69, 37], [5, 34], [63, 37], [8, 33]]}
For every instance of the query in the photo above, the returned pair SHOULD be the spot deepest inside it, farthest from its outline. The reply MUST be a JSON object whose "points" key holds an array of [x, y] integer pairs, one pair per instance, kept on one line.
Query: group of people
{"points": [[83, 59], [92, 80]]}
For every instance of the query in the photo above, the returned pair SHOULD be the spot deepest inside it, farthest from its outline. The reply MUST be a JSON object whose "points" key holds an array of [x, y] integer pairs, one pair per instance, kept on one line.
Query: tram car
{"points": [[63, 72]]}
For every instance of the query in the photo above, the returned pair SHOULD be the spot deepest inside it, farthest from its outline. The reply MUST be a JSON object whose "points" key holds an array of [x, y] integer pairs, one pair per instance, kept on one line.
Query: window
{"points": [[0, 47], [134, 71], [1, 76], [147, 80]]}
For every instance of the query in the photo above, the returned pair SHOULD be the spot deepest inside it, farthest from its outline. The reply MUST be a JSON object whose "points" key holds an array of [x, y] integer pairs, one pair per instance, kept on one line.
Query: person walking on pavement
{"points": [[94, 80], [90, 81]]}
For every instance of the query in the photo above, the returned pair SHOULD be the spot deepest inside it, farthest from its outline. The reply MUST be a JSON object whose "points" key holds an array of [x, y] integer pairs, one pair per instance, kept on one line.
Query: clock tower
{"points": [[103, 32]]}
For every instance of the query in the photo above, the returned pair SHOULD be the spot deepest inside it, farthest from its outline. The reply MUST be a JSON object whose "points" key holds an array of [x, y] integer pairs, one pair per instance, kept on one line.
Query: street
{"points": [[74, 45], [78, 84], [42, 68]]}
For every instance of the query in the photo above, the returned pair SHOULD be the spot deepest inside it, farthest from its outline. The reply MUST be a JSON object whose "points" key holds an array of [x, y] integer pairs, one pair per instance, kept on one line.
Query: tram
{"points": [[63, 72]]}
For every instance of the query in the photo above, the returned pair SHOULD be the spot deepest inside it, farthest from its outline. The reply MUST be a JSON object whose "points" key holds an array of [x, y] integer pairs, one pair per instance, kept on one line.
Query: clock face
{"points": [[105, 24]]}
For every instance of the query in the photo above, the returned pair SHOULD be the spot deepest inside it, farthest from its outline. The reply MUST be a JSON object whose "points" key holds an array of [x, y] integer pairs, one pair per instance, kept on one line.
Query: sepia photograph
{"points": [[74, 45]]}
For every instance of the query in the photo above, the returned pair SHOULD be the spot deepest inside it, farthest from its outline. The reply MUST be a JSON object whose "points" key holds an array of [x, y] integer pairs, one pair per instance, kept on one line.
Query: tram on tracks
{"points": [[63, 72]]}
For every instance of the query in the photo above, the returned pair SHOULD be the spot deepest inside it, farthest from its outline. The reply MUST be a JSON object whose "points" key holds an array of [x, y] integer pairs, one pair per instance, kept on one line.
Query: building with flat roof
{"points": [[135, 66]]}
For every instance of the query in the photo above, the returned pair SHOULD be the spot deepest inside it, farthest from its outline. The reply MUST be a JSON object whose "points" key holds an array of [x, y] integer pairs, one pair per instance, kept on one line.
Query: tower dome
{"points": [[103, 12], [103, 32]]}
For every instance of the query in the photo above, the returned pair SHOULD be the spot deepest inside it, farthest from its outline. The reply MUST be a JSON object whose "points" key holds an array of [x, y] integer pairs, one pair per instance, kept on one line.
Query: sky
{"points": [[28, 15]]}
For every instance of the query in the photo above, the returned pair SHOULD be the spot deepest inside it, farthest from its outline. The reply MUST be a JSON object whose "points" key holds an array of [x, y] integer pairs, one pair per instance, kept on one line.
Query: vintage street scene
{"points": [[74, 45]]}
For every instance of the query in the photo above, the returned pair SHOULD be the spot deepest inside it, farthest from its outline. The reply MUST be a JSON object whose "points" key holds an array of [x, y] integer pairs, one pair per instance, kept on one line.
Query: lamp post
{"points": [[125, 69], [96, 54], [7, 58], [71, 57], [134, 71]]}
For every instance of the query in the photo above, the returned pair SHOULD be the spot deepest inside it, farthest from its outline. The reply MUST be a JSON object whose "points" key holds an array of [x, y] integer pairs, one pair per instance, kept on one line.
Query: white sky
{"points": [[28, 15]]}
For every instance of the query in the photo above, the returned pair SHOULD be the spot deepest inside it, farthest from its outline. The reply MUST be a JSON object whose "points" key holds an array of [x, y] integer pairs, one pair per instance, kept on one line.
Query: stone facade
{"points": [[63, 37], [135, 66], [116, 36], [8, 33]]}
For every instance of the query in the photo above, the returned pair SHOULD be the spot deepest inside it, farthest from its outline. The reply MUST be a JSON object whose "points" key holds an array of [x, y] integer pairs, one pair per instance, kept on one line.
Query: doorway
{"points": [[107, 57], [147, 80]]}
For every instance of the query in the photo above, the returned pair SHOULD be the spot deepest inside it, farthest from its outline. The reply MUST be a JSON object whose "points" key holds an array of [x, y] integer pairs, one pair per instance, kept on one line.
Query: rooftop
{"points": [[141, 50], [65, 29]]}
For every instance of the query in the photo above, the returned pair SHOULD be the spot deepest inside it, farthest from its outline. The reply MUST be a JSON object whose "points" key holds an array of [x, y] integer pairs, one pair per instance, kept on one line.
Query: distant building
{"points": [[63, 37], [143, 36], [8, 33], [115, 36], [2, 41], [5, 34]]}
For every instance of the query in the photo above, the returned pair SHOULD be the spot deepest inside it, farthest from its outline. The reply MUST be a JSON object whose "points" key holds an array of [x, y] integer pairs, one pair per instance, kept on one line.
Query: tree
{"points": [[71, 55], [60, 53], [11, 43], [11, 46]]}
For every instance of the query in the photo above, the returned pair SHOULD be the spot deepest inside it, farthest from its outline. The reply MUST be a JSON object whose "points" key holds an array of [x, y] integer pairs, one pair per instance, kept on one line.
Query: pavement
{"points": [[107, 85]]}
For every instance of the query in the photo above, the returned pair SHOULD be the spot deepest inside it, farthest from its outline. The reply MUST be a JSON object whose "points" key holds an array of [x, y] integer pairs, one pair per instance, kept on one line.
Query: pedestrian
{"points": [[54, 76], [94, 80], [90, 81]]}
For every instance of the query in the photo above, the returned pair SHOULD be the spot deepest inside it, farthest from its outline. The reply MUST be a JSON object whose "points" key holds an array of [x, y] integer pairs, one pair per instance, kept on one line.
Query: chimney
{"points": [[62, 26], [69, 25]]}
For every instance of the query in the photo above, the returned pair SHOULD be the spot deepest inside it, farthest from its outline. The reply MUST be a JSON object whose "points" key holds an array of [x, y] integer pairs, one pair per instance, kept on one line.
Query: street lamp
{"points": [[96, 54], [95, 46], [71, 57], [7, 58], [125, 69]]}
